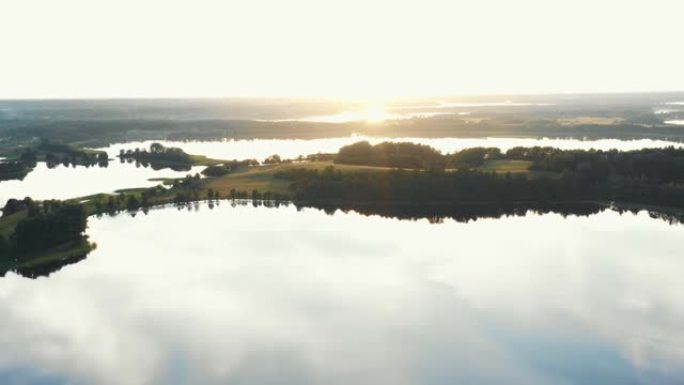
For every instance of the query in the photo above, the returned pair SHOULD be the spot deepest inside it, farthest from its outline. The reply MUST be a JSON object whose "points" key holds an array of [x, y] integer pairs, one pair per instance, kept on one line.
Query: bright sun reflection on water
{"points": [[375, 114], [370, 114]]}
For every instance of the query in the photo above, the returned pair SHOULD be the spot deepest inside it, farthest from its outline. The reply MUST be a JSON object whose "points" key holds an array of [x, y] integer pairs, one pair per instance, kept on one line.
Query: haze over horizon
{"points": [[337, 49]]}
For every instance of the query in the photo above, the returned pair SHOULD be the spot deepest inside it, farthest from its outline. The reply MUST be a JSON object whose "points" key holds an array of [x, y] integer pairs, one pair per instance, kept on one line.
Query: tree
{"points": [[156, 147], [5, 249], [65, 223], [273, 159]]}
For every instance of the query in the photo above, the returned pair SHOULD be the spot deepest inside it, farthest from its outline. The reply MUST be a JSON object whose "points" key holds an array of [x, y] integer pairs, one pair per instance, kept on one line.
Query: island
{"points": [[21, 160]]}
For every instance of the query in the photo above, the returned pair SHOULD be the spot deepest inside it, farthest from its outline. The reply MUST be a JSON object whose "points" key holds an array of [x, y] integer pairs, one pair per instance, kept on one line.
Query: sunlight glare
{"points": [[375, 114]]}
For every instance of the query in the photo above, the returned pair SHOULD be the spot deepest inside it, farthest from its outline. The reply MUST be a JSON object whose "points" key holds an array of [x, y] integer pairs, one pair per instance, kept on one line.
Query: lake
{"points": [[291, 148], [255, 295], [63, 182], [377, 113]]}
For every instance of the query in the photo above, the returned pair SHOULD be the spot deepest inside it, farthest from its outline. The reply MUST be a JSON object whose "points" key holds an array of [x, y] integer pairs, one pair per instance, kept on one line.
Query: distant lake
{"points": [[292, 148], [245, 295], [63, 182], [381, 113]]}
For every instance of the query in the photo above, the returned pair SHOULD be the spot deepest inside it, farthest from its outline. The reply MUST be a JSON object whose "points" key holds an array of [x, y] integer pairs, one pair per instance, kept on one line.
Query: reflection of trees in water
{"points": [[673, 218], [473, 212], [437, 213], [102, 162], [45, 269], [156, 166], [433, 213]]}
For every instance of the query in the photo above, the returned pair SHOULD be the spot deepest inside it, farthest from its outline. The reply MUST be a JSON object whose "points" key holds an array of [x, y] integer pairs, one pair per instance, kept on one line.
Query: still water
{"points": [[291, 148], [382, 113], [64, 182], [244, 295]]}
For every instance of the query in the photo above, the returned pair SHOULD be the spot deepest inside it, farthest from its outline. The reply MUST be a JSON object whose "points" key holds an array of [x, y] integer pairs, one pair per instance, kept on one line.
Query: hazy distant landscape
{"points": [[100, 122]]}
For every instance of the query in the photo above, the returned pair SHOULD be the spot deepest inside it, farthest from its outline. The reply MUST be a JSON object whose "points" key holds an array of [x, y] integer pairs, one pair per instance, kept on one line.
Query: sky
{"points": [[341, 49]]}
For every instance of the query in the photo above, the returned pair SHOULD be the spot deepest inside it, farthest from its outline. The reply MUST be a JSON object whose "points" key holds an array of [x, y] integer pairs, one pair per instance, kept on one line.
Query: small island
{"points": [[22, 160], [159, 157]]}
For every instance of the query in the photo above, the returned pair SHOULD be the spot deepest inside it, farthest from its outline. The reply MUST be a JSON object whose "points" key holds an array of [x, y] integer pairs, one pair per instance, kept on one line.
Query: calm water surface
{"points": [[292, 148], [274, 296], [63, 182], [397, 112]]}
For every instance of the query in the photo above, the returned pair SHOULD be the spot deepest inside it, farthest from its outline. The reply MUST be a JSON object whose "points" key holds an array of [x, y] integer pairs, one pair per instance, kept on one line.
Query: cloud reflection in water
{"points": [[256, 295]]}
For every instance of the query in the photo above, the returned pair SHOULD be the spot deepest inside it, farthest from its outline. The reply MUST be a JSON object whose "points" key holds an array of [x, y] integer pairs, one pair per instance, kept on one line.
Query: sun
{"points": [[374, 114]]}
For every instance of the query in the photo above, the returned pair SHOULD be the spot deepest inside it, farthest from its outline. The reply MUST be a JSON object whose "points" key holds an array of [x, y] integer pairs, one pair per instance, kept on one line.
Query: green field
{"points": [[262, 177], [503, 166], [7, 224]]}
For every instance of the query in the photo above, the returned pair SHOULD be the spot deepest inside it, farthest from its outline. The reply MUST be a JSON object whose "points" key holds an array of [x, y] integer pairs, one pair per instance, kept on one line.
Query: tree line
{"points": [[473, 186], [659, 164]]}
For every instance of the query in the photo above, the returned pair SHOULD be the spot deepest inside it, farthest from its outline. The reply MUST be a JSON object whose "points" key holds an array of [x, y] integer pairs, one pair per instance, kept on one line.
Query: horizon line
{"points": [[336, 98]]}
